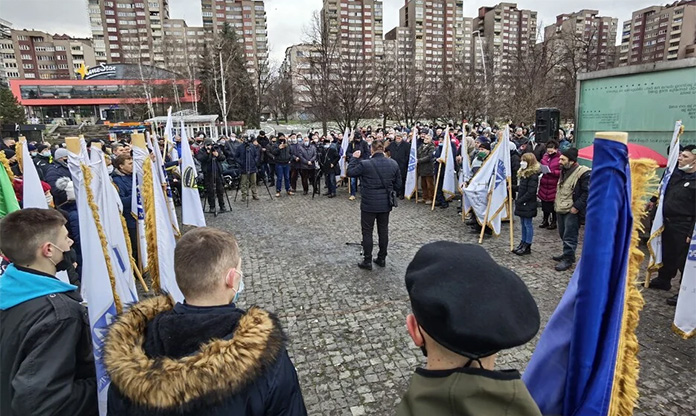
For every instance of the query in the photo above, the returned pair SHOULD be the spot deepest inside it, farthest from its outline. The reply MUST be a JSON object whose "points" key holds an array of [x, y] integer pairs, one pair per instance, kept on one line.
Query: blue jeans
{"points": [[331, 182], [353, 185], [568, 229], [282, 174], [527, 230]]}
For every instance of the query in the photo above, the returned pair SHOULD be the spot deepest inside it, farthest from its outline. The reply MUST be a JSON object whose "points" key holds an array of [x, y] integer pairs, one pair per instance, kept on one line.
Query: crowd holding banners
{"points": [[109, 270]]}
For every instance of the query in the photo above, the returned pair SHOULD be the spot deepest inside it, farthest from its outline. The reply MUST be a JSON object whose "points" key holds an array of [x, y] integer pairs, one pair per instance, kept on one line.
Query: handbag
{"points": [[393, 199]]}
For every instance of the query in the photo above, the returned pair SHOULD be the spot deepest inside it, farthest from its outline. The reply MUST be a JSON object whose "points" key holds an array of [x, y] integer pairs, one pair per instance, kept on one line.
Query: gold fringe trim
{"points": [[624, 394], [102, 237], [683, 334], [19, 155], [129, 246], [148, 197], [6, 165]]}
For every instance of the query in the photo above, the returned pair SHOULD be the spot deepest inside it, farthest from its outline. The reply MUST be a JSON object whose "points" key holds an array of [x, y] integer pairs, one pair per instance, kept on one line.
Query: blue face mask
{"points": [[240, 290]]}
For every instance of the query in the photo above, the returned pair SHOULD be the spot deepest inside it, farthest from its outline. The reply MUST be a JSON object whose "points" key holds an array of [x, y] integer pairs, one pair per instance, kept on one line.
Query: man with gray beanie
{"points": [[466, 308], [570, 205], [56, 170]]}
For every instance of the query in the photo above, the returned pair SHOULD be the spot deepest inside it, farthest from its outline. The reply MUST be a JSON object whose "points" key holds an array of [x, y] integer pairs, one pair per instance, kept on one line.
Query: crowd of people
{"points": [[208, 356]]}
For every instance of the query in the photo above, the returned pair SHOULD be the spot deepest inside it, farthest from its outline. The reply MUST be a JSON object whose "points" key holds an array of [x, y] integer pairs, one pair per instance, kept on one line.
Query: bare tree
{"points": [[406, 90]]}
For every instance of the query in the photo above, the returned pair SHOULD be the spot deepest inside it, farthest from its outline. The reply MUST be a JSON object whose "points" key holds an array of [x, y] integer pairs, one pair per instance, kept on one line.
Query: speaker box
{"points": [[547, 123]]}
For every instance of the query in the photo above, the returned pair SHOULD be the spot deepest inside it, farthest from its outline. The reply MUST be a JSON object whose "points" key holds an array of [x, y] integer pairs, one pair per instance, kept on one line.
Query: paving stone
{"points": [[346, 326]]}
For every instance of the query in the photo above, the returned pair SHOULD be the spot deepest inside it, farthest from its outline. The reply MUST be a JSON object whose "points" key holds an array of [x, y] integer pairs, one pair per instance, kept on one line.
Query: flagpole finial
{"points": [[73, 144], [614, 136]]}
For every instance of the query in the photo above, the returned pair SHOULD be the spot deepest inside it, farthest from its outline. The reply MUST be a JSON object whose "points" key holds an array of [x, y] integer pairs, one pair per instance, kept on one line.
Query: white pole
{"points": [[485, 77], [224, 94]]}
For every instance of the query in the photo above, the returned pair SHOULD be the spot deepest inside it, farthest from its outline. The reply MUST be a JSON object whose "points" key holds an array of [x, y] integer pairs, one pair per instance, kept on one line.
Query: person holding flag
{"points": [[445, 181], [678, 214], [46, 365], [411, 182]]}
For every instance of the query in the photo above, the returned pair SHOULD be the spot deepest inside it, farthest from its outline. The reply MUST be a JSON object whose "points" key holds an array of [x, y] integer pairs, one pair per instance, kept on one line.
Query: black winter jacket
{"points": [[399, 152], [248, 156], [46, 361], [307, 154], [200, 361], [374, 197], [354, 146], [230, 150], [124, 185], [327, 157], [282, 156], [426, 161], [42, 163], [526, 202], [207, 160]]}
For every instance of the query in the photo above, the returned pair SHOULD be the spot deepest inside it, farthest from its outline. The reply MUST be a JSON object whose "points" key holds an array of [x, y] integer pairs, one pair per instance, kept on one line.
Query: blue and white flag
{"points": [[169, 145], [344, 150], [110, 212], [140, 156], [162, 175], [449, 186], [685, 315], [655, 240], [412, 175], [191, 208], [96, 287]]}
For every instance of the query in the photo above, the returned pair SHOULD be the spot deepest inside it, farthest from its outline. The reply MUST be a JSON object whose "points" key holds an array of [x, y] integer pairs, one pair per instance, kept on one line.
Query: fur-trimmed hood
{"points": [[218, 369], [529, 171]]}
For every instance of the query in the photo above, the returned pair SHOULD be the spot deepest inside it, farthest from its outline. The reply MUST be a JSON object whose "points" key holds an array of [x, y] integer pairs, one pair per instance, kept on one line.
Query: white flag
{"points": [[412, 175], [344, 149], [32, 192], [161, 173], [449, 186], [491, 182], [685, 315], [110, 209], [191, 209], [169, 146], [655, 241], [166, 241], [465, 172], [140, 156], [96, 286]]}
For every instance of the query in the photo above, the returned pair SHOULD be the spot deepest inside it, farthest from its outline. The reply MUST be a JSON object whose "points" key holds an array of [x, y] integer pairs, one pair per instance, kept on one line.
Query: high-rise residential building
{"points": [[435, 33], [506, 33], [356, 26], [248, 19], [592, 38], [31, 54], [659, 33], [297, 68], [182, 45], [128, 31], [7, 57]]}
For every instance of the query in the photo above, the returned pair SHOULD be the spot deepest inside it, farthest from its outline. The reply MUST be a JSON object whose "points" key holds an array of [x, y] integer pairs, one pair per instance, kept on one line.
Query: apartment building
{"points": [[659, 33], [248, 19], [31, 54], [356, 26], [297, 67], [128, 31], [6, 50], [182, 46], [593, 37], [505, 32]]}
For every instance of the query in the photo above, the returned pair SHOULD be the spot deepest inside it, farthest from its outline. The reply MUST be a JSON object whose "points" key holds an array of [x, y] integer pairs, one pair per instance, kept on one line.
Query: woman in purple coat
{"points": [[549, 183]]}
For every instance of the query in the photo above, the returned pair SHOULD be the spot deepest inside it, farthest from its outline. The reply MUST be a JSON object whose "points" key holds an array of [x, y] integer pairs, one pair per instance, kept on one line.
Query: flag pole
{"points": [[416, 175], [485, 218], [437, 183], [512, 238]]}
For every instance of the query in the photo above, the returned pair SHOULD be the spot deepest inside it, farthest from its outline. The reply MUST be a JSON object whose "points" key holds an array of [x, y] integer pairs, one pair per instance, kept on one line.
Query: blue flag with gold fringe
{"points": [[585, 362]]}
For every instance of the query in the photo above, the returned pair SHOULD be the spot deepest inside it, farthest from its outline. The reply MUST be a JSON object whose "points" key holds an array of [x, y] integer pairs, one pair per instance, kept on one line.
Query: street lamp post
{"points": [[485, 76], [224, 92]]}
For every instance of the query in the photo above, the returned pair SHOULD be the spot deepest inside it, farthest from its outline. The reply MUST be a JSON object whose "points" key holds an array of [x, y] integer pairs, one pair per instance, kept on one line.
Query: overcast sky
{"points": [[287, 19]]}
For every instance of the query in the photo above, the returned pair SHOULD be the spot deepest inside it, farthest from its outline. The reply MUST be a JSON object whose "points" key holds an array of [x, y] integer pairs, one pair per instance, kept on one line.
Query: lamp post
{"points": [[485, 76], [224, 93]]}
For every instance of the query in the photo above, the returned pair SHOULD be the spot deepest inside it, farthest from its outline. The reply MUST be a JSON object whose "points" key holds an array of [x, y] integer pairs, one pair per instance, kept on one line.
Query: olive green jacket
{"points": [[467, 392]]}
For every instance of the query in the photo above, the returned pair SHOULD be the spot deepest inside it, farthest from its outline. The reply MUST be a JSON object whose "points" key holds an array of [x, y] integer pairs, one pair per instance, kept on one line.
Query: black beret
{"points": [[571, 154], [467, 302]]}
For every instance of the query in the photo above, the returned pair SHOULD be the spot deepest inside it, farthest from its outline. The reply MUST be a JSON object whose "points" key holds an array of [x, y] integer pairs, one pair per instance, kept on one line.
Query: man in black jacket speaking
{"points": [[379, 176]]}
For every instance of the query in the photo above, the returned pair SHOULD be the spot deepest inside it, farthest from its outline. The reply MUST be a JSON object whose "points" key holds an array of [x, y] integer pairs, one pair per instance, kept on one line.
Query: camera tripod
{"points": [[215, 177]]}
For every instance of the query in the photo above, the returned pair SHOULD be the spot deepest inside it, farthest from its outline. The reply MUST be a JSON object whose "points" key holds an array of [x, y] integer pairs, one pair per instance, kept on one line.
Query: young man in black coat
{"points": [[46, 360], [204, 356], [399, 150], [378, 177]]}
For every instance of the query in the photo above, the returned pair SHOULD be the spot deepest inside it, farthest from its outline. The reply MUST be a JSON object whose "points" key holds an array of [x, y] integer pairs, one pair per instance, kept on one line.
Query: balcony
{"points": [[673, 49]]}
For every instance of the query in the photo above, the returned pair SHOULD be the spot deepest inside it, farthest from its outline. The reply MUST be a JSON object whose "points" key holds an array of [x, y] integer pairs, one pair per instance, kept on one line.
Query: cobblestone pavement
{"points": [[347, 330]]}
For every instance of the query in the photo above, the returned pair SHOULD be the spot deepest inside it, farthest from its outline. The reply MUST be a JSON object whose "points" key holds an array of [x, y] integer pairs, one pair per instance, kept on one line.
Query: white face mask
{"points": [[306, 143], [47, 153], [523, 164], [686, 168]]}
